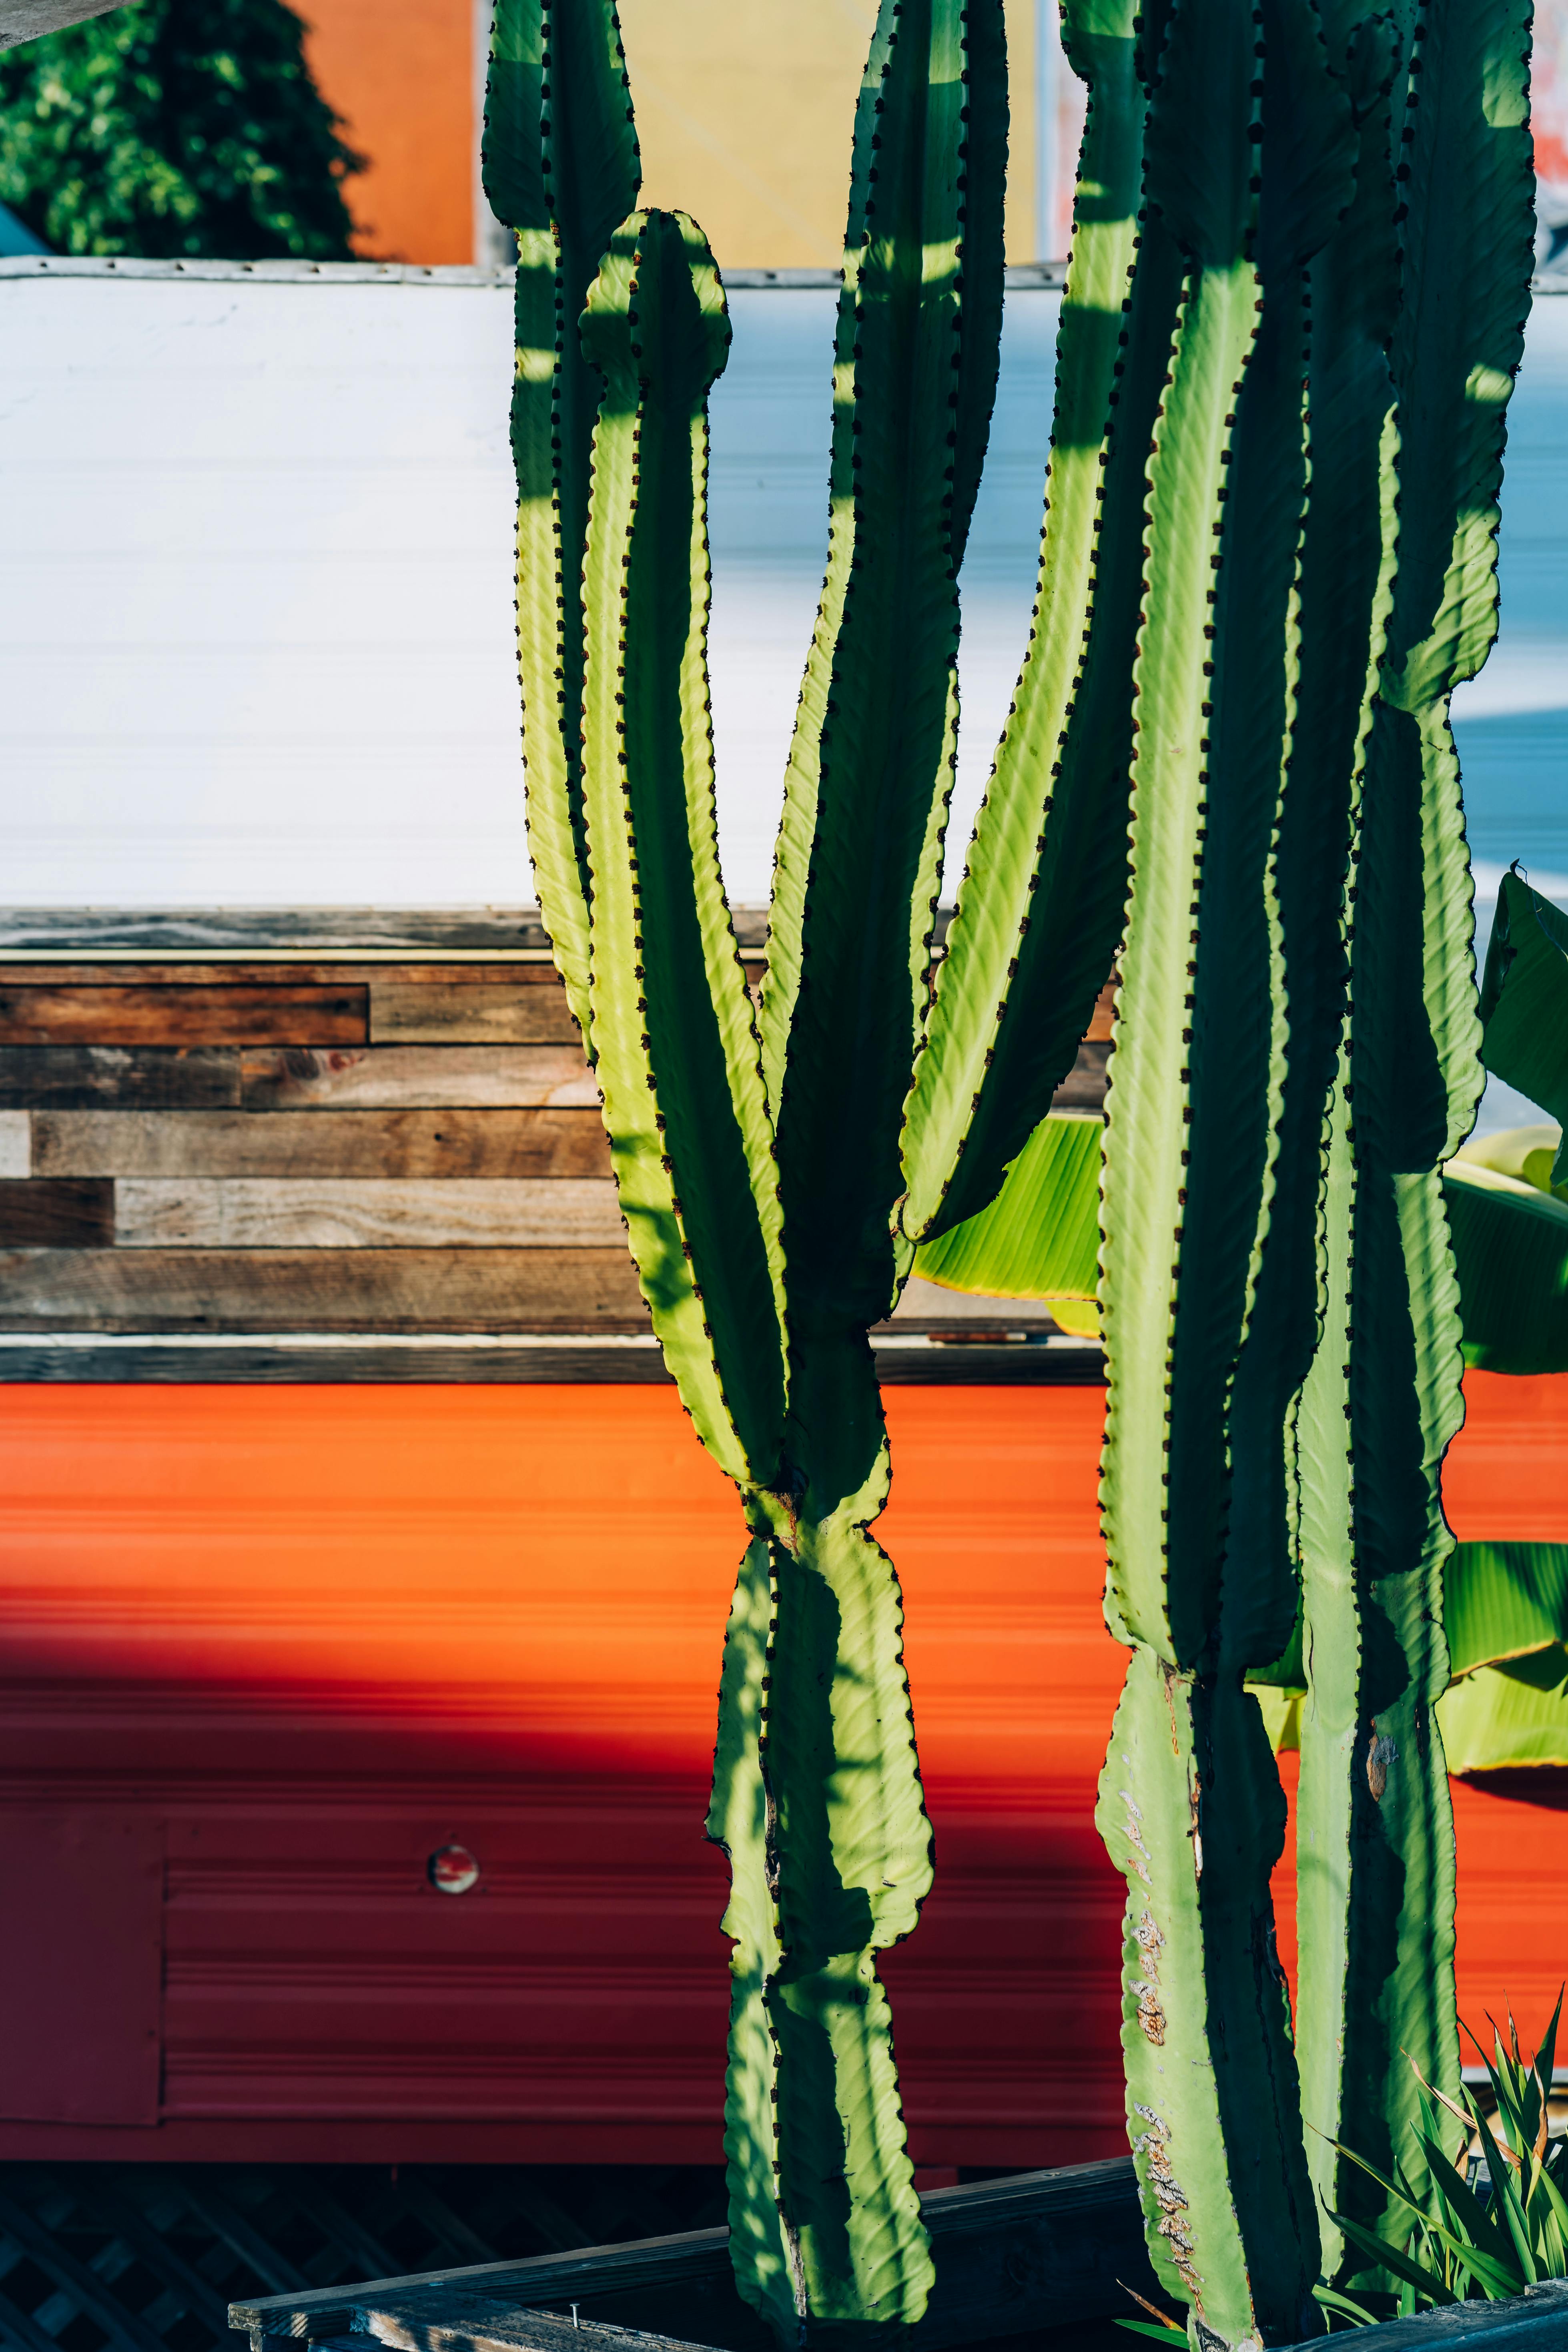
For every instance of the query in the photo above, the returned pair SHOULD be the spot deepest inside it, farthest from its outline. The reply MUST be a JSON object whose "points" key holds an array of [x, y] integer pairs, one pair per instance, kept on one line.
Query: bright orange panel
{"points": [[401, 73]]}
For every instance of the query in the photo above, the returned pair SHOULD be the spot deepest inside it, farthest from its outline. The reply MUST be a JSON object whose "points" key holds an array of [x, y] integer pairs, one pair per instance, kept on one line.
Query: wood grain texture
{"points": [[71, 1212], [397, 1077], [519, 972], [354, 1214], [320, 1290], [16, 1144], [163, 934], [88, 1078], [412, 1013], [237, 1014], [285, 1361], [373, 1143]]}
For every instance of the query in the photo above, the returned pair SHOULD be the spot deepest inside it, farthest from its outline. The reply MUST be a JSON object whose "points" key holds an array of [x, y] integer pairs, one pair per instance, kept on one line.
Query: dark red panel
{"points": [[80, 1964]]}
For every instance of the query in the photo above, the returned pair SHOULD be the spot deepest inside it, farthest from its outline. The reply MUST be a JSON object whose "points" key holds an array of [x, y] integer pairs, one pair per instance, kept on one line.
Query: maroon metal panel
{"points": [[81, 1959]]}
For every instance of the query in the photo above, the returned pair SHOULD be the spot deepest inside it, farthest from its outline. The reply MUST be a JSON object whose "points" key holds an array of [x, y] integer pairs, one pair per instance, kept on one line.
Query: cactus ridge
{"points": [[1382, 1400], [560, 165], [678, 1060], [1039, 907], [870, 770]]}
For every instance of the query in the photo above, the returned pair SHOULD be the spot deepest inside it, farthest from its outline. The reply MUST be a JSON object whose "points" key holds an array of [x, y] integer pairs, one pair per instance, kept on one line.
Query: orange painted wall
{"points": [[401, 73], [309, 1634]]}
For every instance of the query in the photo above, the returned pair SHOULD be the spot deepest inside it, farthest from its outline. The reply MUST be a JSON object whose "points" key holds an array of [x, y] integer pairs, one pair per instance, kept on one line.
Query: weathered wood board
{"points": [[64, 1213], [320, 1290], [422, 1144], [377, 1127], [468, 1013], [355, 1212], [16, 1148], [147, 1077], [241, 1014], [1033, 2251], [391, 1077]]}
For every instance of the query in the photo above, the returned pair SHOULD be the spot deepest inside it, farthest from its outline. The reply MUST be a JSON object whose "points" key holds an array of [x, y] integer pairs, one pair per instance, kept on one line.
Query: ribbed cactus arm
{"points": [[741, 1819], [1342, 601], [677, 1057], [1195, 1097], [1377, 1952], [1013, 990], [560, 164], [870, 767]]}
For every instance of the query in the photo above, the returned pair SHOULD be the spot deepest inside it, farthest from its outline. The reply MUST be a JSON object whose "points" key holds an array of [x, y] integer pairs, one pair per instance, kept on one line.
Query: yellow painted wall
{"points": [[744, 111]]}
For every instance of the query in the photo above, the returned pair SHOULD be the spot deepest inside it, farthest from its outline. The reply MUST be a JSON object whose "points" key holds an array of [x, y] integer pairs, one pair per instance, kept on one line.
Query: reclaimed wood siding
{"points": [[411, 1147], [329, 1146]]}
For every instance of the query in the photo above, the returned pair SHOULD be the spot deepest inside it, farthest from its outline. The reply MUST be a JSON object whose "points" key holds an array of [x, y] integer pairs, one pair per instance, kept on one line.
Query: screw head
{"points": [[453, 1870]]}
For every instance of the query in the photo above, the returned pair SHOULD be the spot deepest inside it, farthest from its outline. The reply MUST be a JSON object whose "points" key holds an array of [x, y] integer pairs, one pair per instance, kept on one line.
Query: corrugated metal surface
{"points": [[311, 1636], [317, 1634]]}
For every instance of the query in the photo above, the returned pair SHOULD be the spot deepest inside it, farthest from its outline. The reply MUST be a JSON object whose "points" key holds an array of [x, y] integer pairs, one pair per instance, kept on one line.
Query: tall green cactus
{"points": [[1227, 751], [1250, 1420], [1375, 1841]]}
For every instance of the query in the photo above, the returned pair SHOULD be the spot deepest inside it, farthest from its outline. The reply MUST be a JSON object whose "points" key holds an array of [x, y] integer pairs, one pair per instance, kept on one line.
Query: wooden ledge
{"points": [[1034, 2249], [307, 1358]]}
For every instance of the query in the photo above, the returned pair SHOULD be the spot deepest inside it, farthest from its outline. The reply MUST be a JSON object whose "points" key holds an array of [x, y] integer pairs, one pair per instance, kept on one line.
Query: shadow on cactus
{"points": [[1268, 557]]}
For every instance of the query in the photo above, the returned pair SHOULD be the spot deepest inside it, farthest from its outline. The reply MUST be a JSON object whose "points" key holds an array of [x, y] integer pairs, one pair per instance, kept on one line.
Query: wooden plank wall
{"points": [[285, 1145]]}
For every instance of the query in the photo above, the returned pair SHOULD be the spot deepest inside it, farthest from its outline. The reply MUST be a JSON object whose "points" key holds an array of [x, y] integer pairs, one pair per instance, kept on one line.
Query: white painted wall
{"points": [[256, 601], [256, 627]]}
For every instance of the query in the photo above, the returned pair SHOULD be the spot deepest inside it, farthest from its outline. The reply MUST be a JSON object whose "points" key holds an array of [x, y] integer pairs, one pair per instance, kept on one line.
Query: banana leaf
{"points": [[1508, 1715], [1526, 1152], [1524, 1001], [1510, 1245], [1504, 1601], [1039, 1238]]}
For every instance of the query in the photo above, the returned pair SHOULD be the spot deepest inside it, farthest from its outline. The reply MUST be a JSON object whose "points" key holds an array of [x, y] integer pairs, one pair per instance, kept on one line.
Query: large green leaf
{"points": [[1510, 1245], [1524, 1001], [1525, 1152], [677, 1061], [1509, 1715], [1040, 1236], [561, 168], [1500, 1601]]}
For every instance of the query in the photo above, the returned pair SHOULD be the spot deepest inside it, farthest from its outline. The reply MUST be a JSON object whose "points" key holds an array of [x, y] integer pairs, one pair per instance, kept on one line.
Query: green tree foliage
{"points": [[172, 130]]}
